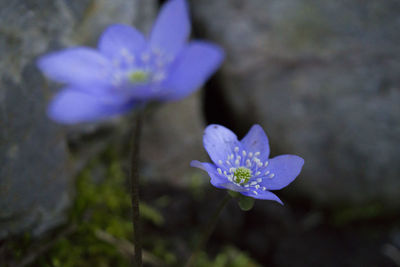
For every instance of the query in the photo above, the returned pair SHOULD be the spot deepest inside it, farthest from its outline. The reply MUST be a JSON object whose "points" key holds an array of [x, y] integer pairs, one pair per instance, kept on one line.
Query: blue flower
{"points": [[243, 166], [128, 68]]}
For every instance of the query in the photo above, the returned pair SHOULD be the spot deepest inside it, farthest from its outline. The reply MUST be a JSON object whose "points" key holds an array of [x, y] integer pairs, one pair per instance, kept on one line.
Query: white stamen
{"points": [[160, 63], [271, 175], [159, 76], [219, 171], [236, 149], [266, 173], [145, 57], [124, 52], [116, 62], [255, 192], [156, 50], [257, 154], [260, 164], [248, 163], [264, 188], [237, 162], [228, 162], [244, 153], [220, 162], [225, 173], [253, 183], [259, 180], [266, 164], [130, 58], [257, 173], [257, 186], [246, 185], [250, 154]]}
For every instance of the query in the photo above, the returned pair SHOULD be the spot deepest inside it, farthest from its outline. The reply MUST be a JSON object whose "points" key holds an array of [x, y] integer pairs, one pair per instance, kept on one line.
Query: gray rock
{"points": [[322, 78], [172, 138], [36, 177]]}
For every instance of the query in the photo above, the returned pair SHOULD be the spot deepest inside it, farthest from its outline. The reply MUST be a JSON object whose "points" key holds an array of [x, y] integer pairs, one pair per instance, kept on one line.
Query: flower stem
{"points": [[208, 230], [134, 178]]}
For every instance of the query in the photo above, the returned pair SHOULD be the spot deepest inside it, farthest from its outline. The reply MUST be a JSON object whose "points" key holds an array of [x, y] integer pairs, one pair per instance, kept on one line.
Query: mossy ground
{"points": [[99, 227], [99, 230]]}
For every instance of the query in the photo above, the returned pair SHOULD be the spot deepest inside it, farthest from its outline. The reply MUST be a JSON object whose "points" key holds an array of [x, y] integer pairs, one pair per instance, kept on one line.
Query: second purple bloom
{"points": [[128, 68]]}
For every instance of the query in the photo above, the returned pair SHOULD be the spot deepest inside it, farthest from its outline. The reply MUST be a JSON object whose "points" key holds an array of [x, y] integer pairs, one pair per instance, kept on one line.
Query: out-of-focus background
{"points": [[321, 77]]}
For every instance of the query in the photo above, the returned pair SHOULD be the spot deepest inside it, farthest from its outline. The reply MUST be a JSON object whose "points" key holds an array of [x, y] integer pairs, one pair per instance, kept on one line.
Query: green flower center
{"points": [[138, 76], [242, 175]]}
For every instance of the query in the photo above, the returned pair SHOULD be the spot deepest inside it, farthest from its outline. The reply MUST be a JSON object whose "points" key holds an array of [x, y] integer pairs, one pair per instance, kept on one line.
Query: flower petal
{"points": [[285, 169], [219, 142], [172, 27], [265, 195], [119, 38], [231, 186], [78, 65], [72, 106], [197, 62], [256, 141], [216, 179]]}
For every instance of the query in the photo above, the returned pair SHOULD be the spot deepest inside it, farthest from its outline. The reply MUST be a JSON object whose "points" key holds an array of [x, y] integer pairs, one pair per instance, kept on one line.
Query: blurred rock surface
{"points": [[35, 173], [172, 138], [322, 78]]}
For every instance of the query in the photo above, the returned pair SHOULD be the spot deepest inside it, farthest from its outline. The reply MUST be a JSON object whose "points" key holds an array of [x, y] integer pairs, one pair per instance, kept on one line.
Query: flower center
{"points": [[138, 76], [242, 175]]}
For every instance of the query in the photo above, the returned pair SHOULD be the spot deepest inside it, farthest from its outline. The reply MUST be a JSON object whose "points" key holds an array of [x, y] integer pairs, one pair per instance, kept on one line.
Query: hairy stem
{"points": [[134, 178]]}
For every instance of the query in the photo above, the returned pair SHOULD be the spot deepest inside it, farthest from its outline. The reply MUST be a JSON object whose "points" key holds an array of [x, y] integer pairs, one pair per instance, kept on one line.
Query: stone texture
{"points": [[35, 173], [322, 78], [172, 138]]}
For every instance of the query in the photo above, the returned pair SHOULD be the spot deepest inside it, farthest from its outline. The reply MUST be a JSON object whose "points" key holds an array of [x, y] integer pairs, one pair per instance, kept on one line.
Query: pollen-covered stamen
{"points": [[242, 175], [150, 66], [245, 169]]}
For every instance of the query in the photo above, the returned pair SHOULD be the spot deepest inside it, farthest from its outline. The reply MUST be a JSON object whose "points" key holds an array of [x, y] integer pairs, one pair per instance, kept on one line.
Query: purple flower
{"points": [[243, 166], [128, 68]]}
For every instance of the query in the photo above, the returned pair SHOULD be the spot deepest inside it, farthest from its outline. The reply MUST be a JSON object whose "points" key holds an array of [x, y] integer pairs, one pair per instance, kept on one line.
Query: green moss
{"points": [[197, 182], [162, 252], [228, 257], [151, 214], [348, 215], [103, 206]]}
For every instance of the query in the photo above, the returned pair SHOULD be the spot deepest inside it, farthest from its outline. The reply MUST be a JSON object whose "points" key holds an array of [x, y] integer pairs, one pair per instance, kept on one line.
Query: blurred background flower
{"points": [[127, 70]]}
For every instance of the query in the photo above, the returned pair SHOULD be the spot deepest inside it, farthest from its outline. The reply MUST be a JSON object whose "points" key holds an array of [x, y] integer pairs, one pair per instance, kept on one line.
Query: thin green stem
{"points": [[208, 230], [134, 178]]}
